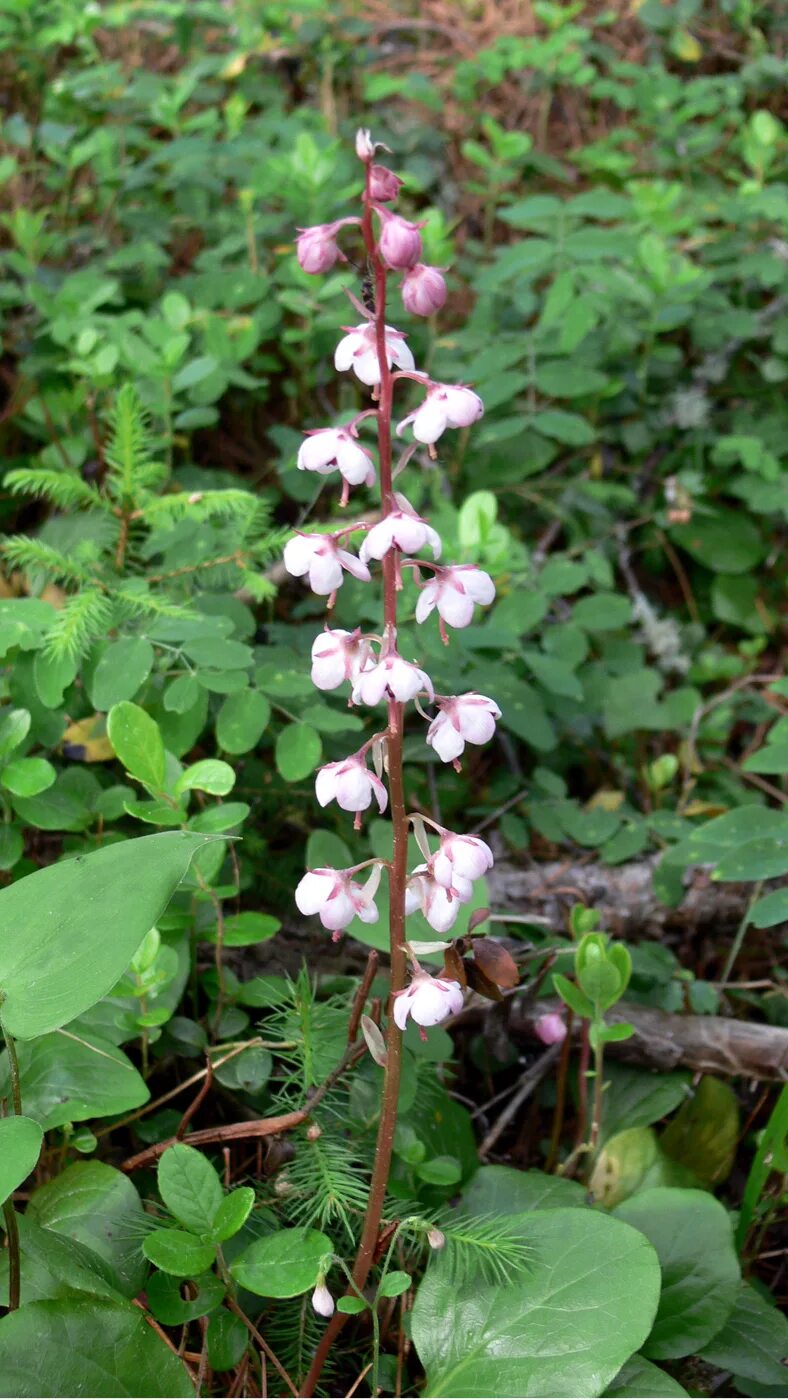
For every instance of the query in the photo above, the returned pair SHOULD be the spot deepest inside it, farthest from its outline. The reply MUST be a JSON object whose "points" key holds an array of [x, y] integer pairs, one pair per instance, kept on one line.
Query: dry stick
{"points": [[398, 870], [262, 1343], [528, 1083], [197, 1100], [362, 992]]}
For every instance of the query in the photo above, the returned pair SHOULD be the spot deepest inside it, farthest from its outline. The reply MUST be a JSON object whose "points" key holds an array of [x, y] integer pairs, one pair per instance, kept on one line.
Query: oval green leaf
{"points": [[137, 741], [298, 751], [283, 1264], [20, 1145]]}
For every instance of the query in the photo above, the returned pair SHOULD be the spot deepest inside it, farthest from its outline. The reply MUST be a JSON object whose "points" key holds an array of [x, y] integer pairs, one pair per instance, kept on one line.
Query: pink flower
{"points": [[384, 185], [358, 351], [423, 290], [329, 448], [551, 1028], [350, 783], [401, 529], [446, 406], [393, 678], [453, 591], [428, 1000], [399, 243], [365, 146], [460, 857], [336, 898], [337, 656], [316, 247], [322, 1301], [320, 557], [462, 719], [439, 905]]}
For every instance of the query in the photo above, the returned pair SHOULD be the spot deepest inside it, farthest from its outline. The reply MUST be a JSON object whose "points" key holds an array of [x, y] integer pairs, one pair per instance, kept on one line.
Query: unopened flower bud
{"points": [[365, 146], [400, 241], [322, 1301], [436, 1238], [316, 248], [384, 185], [423, 290], [551, 1028]]}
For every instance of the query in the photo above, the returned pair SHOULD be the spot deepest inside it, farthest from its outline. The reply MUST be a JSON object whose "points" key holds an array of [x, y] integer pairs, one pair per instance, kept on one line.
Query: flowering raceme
{"points": [[372, 663]]}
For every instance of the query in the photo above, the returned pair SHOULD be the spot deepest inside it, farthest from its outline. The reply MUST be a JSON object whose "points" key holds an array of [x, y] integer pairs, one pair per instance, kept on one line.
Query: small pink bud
{"points": [[423, 290], [316, 248], [365, 146], [400, 241], [322, 1302], [436, 1238], [384, 185], [551, 1028]]}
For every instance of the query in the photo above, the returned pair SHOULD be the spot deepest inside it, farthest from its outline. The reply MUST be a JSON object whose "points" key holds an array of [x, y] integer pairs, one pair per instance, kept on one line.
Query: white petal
{"points": [[366, 367], [338, 911], [402, 1006], [440, 911], [442, 868], [377, 540], [430, 1004], [325, 573], [447, 742], [354, 566], [317, 451], [354, 788], [429, 421], [298, 554], [454, 607], [326, 784], [401, 354], [434, 542], [478, 585], [477, 725], [313, 889], [346, 350], [368, 912], [427, 599]]}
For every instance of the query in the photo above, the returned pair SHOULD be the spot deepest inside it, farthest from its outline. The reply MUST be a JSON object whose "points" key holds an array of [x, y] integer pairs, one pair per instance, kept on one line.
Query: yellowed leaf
{"points": [[86, 740]]}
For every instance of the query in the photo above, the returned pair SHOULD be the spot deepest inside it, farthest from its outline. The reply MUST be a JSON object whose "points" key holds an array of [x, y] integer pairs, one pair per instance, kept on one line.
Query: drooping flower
{"points": [[551, 1028], [336, 898], [365, 146], [453, 591], [462, 719], [316, 247], [446, 406], [350, 783], [322, 1301], [358, 351], [337, 656], [428, 1001], [423, 290], [439, 905], [384, 185], [330, 449], [392, 678], [320, 557], [399, 243], [401, 529], [463, 857]]}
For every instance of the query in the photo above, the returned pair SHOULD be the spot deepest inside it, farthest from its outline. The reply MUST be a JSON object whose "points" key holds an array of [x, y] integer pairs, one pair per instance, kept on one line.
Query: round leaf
{"points": [[122, 668], [177, 1252], [20, 1144], [209, 775], [137, 741], [190, 1187], [26, 777], [283, 1264], [241, 721], [298, 751]]}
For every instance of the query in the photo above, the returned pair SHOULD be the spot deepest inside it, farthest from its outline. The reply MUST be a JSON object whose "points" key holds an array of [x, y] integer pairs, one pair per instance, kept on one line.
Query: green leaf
{"points": [[68, 932], [507, 1191], [227, 1340], [26, 777], [764, 858], [20, 1145], [636, 1098], [75, 1265], [440, 1171], [122, 668], [298, 751], [393, 1285], [223, 817], [137, 741], [182, 694], [194, 373], [166, 1301], [14, 728], [75, 1346], [351, 1305], [602, 612], [208, 775], [282, 1264], [178, 1252], [241, 720], [693, 1237], [232, 1213], [753, 1342], [548, 1332], [190, 1187], [554, 674], [704, 1134], [97, 1206], [770, 909], [560, 379], [241, 930], [630, 1161], [66, 1080], [220, 653], [640, 1377], [572, 996], [52, 675], [772, 758], [247, 1071], [727, 541]]}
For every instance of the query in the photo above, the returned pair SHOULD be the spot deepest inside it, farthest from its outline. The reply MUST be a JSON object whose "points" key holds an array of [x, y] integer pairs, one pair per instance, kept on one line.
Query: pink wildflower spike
{"points": [[335, 898], [384, 185], [399, 243], [446, 406], [423, 290], [320, 557], [551, 1028], [427, 1001], [454, 590], [462, 719], [330, 449], [351, 785], [337, 656], [401, 529], [391, 678], [463, 857], [358, 351]]}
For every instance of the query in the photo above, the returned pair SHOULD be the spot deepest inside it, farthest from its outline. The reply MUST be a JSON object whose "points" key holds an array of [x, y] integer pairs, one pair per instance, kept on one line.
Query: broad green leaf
{"points": [[241, 720], [223, 817], [27, 777], [20, 1145], [122, 668], [640, 1377], [241, 930], [14, 728], [693, 1237], [69, 931], [771, 909], [232, 1213], [98, 1206], [630, 1161], [636, 1098], [602, 612], [75, 1346], [298, 752], [52, 675], [283, 1264], [182, 694], [137, 741], [66, 1079], [772, 758], [394, 1284], [190, 1187], [208, 775], [548, 1332], [248, 1071], [507, 1191], [704, 1134], [771, 1148], [178, 1252], [70, 1263], [166, 1301], [227, 1340], [753, 1341], [764, 858], [220, 653], [727, 541], [561, 379]]}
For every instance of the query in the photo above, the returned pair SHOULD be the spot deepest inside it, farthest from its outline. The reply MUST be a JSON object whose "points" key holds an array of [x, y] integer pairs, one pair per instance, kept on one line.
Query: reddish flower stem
{"points": [[398, 870]]}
